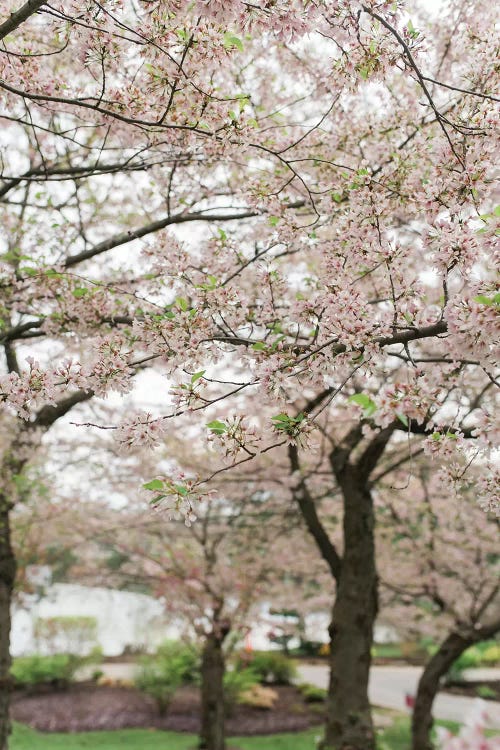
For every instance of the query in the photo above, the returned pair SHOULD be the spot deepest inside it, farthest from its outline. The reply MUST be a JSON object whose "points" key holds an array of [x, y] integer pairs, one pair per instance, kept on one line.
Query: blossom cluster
{"points": [[472, 736], [140, 430]]}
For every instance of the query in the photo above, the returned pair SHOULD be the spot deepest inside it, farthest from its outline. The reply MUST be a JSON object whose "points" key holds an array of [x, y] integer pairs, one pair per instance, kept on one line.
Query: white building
{"points": [[123, 619]]}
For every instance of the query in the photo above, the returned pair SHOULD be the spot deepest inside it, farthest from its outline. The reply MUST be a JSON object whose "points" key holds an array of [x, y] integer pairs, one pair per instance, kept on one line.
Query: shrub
{"points": [[57, 670], [491, 655], [469, 659], [161, 675], [258, 697], [186, 656], [308, 648], [271, 668], [237, 682], [312, 693]]}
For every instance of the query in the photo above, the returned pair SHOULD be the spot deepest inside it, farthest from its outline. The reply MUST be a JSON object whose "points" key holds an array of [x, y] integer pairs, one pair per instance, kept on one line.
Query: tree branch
{"points": [[307, 507], [50, 413], [20, 16], [421, 429], [340, 454], [368, 460], [155, 226]]}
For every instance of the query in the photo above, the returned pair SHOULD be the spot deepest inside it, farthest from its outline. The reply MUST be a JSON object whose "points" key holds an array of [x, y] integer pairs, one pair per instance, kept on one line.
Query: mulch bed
{"points": [[473, 689], [86, 707]]}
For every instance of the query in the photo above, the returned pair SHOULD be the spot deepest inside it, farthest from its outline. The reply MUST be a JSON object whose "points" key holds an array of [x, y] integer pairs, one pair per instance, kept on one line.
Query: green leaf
{"points": [[154, 484], [181, 490], [403, 418], [156, 499], [231, 41], [79, 291], [367, 404], [217, 427], [273, 220], [412, 30], [28, 271], [283, 418], [482, 299], [259, 346], [197, 375], [182, 303]]}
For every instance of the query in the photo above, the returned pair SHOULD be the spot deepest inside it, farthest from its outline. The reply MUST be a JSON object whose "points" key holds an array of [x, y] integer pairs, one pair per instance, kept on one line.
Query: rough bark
{"points": [[450, 649], [212, 736], [349, 723], [7, 577]]}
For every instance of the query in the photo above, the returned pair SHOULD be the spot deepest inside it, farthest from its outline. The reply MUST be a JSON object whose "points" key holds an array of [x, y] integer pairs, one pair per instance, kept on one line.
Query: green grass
{"points": [[24, 738], [387, 651], [140, 739]]}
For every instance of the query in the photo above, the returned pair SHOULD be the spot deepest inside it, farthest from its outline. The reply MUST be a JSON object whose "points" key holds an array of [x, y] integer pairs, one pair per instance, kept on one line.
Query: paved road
{"points": [[389, 685]]}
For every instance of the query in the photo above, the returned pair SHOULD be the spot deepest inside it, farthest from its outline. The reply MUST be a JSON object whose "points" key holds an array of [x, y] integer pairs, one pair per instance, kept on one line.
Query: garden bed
{"points": [[485, 689], [85, 706]]}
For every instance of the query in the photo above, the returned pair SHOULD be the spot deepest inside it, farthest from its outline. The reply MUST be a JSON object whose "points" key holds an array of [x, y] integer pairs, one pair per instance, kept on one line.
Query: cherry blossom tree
{"points": [[440, 573], [212, 575], [336, 160]]}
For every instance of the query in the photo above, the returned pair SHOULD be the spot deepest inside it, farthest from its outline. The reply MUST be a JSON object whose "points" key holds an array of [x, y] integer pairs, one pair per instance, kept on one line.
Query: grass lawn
{"points": [[394, 738], [140, 739]]}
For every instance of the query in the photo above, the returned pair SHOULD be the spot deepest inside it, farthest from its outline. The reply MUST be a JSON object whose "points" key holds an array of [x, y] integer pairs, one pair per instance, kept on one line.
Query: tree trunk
{"points": [[349, 723], [7, 577], [212, 735], [428, 686]]}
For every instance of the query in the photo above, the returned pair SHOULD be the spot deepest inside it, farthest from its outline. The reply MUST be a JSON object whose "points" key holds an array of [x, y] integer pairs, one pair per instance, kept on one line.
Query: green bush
{"points": [[161, 675], [58, 669], [307, 648], [237, 682], [186, 656], [271, 667], [312, 693], [491, 654], [468, 660]]}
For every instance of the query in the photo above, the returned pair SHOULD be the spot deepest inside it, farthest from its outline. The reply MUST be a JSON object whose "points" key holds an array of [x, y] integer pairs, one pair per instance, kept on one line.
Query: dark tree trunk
{"points": [[349, 723], [212, 736], [7, 577], [451, 648]]}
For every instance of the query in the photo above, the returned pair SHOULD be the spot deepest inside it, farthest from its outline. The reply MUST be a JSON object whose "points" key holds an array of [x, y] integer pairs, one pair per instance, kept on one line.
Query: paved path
{"points": [[389, 685]]}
